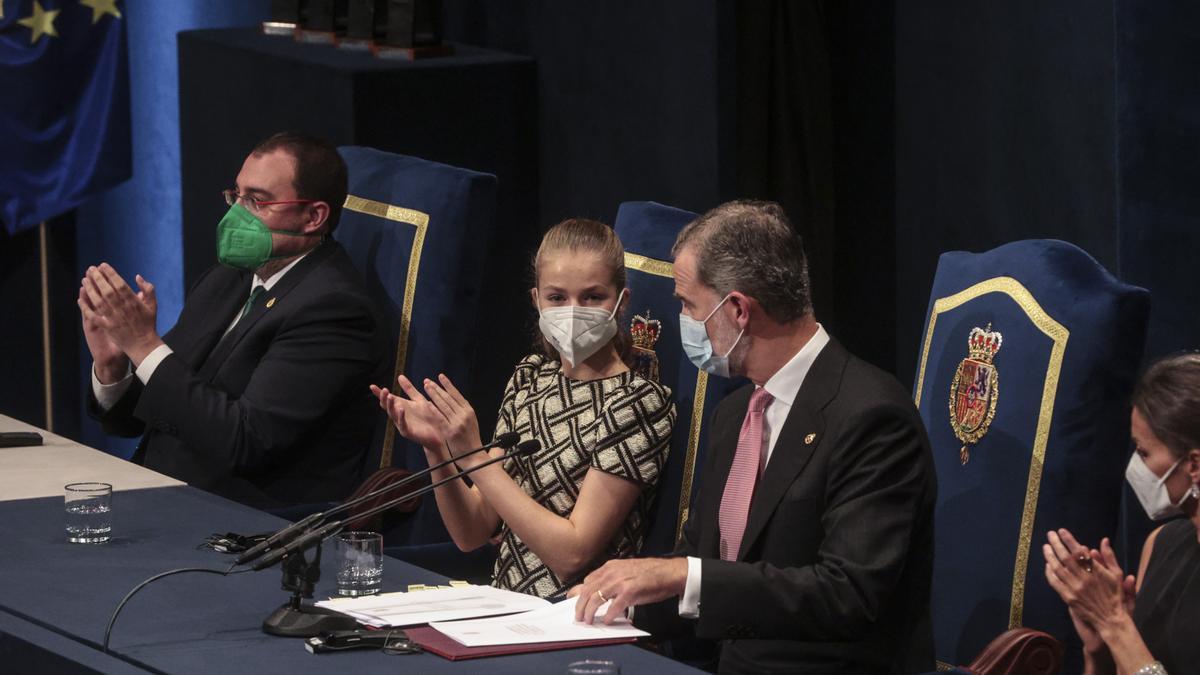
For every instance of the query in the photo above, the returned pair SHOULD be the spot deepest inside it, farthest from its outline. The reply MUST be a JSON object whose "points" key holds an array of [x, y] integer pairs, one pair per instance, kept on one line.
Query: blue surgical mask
{"points": [[698, 347]]}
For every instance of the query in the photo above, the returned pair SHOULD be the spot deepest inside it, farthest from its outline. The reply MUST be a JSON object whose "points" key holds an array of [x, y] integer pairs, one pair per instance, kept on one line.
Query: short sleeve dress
{"points": [[620, 425]]}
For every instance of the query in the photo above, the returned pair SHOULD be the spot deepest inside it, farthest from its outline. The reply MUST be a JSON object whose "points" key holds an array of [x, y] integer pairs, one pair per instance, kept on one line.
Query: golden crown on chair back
{"points": [[982, 344], [644, 332], [975, 389]]}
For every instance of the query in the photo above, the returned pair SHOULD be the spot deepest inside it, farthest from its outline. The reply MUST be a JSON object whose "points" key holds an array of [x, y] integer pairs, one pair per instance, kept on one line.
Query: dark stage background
{"points": [[891, 132]]}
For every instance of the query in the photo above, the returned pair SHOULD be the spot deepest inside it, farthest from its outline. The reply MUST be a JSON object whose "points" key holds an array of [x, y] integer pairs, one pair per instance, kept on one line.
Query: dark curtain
{"points": [[815, 128], [785, 125]]}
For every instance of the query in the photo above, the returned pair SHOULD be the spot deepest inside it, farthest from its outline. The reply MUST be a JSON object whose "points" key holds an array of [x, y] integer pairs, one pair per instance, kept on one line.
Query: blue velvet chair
{"points": [[419, 231], [1029, 436], [648, 231]]}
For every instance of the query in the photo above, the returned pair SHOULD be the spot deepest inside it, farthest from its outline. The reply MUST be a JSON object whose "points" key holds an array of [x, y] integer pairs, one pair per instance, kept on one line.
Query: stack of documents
{"points": [[396, 610], [531, 624], [553, 623]]}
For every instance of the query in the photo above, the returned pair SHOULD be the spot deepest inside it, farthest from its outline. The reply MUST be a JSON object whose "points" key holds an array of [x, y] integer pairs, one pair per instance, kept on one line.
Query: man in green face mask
{"points": [[260, 390]]}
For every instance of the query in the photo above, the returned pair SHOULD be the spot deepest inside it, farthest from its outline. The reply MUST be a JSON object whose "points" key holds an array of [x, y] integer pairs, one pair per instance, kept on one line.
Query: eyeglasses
{"points": [[255, 206]]}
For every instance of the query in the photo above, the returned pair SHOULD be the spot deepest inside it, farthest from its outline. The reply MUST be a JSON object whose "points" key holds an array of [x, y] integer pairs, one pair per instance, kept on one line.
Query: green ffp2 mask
{"points": [[244, 241]]}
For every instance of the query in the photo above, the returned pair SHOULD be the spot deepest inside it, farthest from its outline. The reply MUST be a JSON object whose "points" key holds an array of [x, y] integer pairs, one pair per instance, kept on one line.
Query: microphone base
{"points": [[305, 621]]}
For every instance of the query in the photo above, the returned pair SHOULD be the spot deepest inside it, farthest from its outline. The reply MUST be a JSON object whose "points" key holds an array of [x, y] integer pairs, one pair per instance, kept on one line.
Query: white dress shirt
{"points": [[783, 387], [107, 395]]}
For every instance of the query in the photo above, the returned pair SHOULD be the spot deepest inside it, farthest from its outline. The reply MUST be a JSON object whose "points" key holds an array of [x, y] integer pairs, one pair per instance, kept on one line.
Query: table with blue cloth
{"points": [[56, 597]]}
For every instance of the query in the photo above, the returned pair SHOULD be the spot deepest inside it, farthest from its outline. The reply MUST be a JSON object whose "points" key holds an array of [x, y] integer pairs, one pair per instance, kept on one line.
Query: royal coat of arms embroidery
{"points": [[975, 389], [644, 332]]}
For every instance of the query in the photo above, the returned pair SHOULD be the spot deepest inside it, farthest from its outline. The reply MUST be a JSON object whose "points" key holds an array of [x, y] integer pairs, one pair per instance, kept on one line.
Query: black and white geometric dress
{"points": [[620, 425]]}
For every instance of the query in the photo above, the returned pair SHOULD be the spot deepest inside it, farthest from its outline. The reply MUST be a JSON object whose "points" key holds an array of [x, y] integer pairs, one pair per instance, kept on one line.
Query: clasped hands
{"points": [[1090, 581], [441, 419], [118, 323]]}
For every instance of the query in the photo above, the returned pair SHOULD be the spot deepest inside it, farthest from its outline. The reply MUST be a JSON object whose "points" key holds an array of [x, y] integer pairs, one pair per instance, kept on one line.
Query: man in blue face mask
{"points": [[259, 392], [809, 546]]}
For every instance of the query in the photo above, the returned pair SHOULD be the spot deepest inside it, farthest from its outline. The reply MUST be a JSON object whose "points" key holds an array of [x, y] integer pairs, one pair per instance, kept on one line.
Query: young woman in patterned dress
{"points": [[585, 496]]}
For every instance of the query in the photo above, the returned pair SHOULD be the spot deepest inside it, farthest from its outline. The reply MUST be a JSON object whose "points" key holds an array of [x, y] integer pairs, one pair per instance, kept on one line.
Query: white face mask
{"points": [[578, 332], [1151, 490]]}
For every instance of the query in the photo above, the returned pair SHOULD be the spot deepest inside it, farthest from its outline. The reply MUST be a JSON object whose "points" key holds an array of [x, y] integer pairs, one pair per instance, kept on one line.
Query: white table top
{"points": [[43, 470]]}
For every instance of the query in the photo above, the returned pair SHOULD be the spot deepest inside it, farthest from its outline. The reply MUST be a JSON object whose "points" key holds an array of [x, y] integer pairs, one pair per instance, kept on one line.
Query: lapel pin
{"points": [[808, 440], [270, 303]]}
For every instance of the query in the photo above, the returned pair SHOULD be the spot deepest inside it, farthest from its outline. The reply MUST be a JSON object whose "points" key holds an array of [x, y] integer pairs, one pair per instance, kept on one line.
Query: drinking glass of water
{"points": [[360, 563], [89, 512], [594, 667]]}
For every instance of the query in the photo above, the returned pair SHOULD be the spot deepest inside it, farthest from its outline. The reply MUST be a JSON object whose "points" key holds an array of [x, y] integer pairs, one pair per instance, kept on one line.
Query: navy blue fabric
{"points": [[64, 116], [444, 334], [197, 623], [649, 229], [26, 647], [980, 504]]}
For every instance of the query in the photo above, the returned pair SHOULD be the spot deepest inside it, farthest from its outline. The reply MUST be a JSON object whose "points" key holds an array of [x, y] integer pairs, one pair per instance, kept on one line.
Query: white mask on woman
{"points": [[578, 332], [1151, 490]]}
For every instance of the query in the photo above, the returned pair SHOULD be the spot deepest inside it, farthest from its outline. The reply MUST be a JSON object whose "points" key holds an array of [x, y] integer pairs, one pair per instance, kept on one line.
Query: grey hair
{"points": [[749, 246]]}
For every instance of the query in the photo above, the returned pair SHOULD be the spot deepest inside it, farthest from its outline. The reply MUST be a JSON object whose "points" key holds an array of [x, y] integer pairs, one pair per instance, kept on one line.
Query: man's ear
{"points": [[318, 216], [743, 306]]}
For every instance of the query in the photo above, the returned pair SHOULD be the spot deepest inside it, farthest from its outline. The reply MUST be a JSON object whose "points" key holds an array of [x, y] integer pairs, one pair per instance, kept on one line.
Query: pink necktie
{"points": [[739, 488]]}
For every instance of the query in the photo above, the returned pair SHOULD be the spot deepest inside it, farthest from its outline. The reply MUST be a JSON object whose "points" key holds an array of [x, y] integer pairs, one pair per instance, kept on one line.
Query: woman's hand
{"points": [[461, 425], [1092, 642], [1089, 581], [1108, 558], [415, 417]]}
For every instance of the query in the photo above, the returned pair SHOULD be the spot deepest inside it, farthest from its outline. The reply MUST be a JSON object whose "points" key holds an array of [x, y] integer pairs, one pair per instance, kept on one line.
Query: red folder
{"points": [[431, 640]]}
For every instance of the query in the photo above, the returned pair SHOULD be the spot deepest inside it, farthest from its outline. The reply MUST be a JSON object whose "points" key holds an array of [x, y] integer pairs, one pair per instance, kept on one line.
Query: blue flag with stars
{"points": [[64, 106]]}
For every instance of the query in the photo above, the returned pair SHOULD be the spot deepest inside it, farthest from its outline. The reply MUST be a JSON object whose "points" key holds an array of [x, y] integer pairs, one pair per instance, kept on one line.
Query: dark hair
{"points": [[320, 171], [750, 246], [1168, 397], [583, 234]]}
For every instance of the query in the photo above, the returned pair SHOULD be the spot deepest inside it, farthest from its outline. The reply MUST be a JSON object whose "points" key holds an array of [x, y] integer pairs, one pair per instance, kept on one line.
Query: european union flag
{"points": [[64, 106]]}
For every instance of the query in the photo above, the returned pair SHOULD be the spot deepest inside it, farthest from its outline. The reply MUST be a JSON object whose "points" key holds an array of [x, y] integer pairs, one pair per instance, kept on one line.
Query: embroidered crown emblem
{"points": [[975, 389], [983, 343], [644, 333]]}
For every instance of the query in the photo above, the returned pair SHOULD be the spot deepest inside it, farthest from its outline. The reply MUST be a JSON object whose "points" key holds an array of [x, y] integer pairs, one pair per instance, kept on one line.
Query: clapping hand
{"points": [[1090, 582], [413, 415], [462, 427], [125, 318], [443, 422], [117, 321]]}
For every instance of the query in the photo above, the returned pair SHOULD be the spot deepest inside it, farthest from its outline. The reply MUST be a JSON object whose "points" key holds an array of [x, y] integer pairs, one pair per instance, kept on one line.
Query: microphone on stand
{"points": [[298, 528], [318, 535], [296, 619]]}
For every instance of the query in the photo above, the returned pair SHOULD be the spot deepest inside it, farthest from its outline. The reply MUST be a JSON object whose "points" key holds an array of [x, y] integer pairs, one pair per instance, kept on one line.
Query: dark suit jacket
{"points": [[277, 412], [836, 562]]}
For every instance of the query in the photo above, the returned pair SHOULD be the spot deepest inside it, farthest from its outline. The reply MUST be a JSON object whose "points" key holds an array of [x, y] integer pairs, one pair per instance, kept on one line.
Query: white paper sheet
{"points": [[555, 623], [441, 604]]}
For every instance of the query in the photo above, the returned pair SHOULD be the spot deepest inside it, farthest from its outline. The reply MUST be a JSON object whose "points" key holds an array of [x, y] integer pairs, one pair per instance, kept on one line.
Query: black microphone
{"points": [[300, 543], [279, 538], [505, 440], [318, 535], [523, 448]]}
